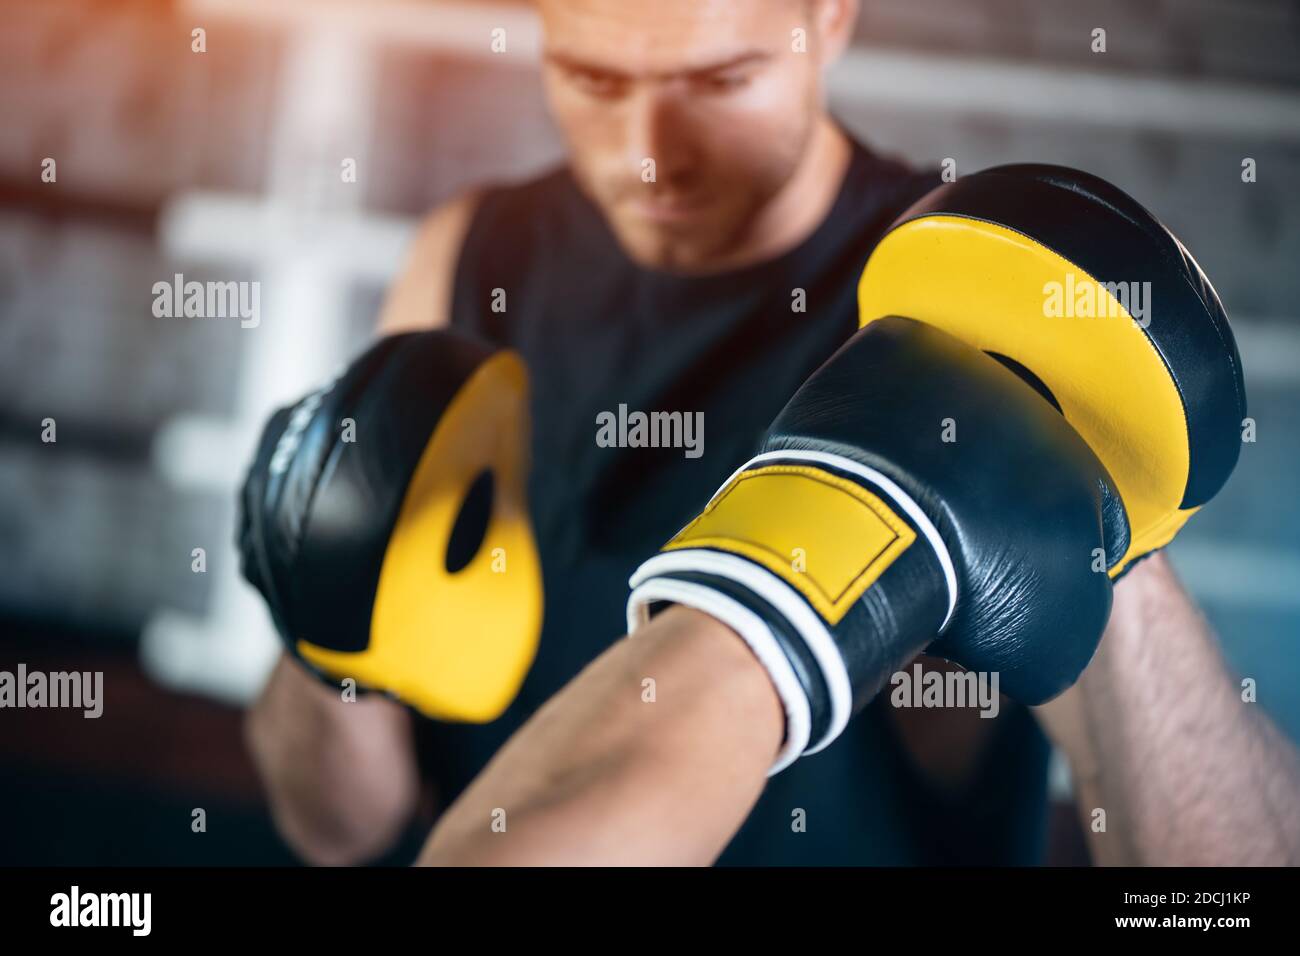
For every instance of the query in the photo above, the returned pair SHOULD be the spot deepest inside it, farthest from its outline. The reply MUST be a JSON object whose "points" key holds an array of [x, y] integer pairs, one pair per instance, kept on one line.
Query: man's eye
{"points": [[722, 82], [597, 84]]}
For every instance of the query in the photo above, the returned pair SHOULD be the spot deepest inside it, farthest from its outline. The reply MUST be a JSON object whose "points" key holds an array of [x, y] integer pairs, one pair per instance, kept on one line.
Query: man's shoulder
{"points": [[891, 181], [444, 229], [466, 202], [548, 191]]}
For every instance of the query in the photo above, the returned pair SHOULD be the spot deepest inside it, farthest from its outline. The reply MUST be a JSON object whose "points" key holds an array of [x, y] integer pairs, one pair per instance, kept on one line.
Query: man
{"points": [[699, 255]]}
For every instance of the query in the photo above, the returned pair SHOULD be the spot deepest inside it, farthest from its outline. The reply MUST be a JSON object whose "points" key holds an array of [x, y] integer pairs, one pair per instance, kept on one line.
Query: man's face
{"points": [[711, 92]]}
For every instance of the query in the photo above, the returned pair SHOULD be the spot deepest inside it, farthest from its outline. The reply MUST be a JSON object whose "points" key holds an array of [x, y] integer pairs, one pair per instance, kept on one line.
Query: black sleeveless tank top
{"points": [[598, 333]]}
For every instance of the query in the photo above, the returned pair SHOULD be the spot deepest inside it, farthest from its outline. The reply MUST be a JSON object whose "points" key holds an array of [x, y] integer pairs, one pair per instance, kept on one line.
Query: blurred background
{"points": [[225, 165]]}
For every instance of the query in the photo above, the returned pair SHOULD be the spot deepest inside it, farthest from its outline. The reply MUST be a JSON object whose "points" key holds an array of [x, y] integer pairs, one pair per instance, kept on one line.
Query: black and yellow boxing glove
{"points": [[859, 534], [384, 521]]}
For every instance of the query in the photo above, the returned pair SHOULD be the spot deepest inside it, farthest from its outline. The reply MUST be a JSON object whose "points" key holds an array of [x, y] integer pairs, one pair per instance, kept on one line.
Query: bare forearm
{"points": [[653, 755], [340, 776], [1185, 770]]}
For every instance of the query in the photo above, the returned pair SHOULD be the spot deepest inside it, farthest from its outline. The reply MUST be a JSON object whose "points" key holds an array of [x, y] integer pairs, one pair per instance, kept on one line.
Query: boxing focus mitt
{"points": [[1074, 285], [384, 521]]}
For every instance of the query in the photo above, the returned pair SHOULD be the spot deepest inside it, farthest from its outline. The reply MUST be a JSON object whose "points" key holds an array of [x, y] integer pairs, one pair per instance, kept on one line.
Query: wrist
{"points": [[710, 677], [826, 650]]}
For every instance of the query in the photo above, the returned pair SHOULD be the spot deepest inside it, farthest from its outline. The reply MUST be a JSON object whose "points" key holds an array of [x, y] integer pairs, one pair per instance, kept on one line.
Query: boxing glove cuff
{"points": [[741, 560]]}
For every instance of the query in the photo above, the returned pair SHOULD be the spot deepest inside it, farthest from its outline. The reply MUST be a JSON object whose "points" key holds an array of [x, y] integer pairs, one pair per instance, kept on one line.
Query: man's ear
{"points": [[835, 21]]}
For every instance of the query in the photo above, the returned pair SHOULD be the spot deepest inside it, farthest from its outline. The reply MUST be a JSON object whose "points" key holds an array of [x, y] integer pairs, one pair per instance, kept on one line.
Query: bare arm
{"points": [[421, 296], [1158, 736], [602, 775], [342, 777]]}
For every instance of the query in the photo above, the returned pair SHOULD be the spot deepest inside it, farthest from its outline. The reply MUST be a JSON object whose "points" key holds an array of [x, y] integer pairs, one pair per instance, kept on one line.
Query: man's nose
{"points": [[659, 129]]}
